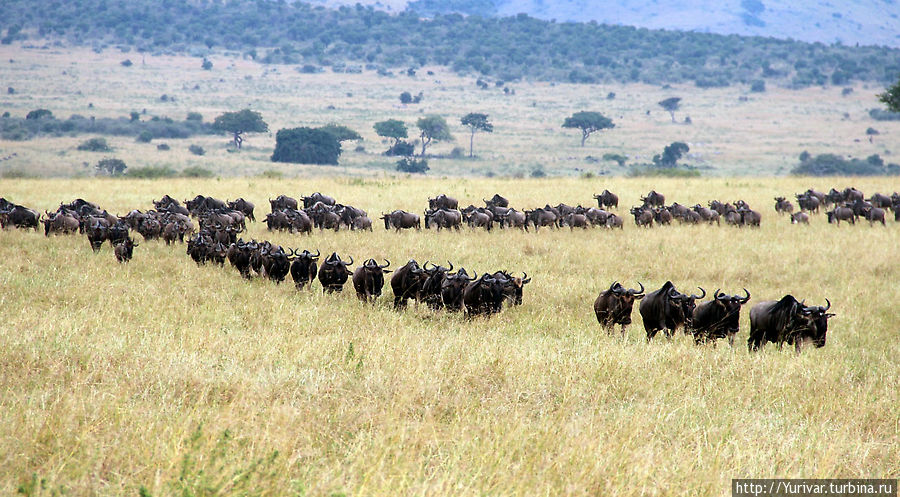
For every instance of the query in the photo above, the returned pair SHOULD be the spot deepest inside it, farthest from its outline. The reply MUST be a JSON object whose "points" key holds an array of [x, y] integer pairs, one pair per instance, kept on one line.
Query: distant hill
{"points": [[866, 22]]}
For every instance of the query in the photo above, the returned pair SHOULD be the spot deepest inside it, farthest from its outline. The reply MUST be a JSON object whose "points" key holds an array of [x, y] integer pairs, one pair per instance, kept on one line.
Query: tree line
{"points": [[508, 48]]}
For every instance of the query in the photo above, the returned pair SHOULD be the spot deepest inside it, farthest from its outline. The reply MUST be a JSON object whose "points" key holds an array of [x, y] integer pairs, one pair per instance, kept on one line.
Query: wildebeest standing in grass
{"points": [[431, 287], [496, 201], [334, 273], [614, 305], [125, 250], [311, 200], [607, 199], [368, 279], [400, 219], [817, 332], [513, 286], [442, 201], [783, 206], [667, 309], [654, 199], [718, 318], [96, 235], [785, 320], [244, 206], [452, 289], [643, 216], [799, 218], [839, 214], [304, 268], [282, 202], [874, 215], [407, 283], [483, 296]]}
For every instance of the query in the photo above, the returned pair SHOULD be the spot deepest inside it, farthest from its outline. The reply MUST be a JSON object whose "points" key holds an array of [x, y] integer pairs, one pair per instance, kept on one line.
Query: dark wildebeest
{"points": [[662, 215], [483, 296], [317, 197], [750, 217], [808, 202], [874, 214], [96, 235], [443, 202], [880, 200], [718, 318], [238, 255], [607, 199], [20, 217], [851, 194], [442, 218], [407, 283], [513, 219], [452, 289], [597, 217], [654, 199], [59, 223], [833, 197], [496, 201], [818, 332], [334, 273], [643, 216], [400, 219], [666, 309], [614, 305], [574, 220], [361, 223], [799, 218], [783, 205], [785, 320], [277, 263], [513, 286], [243, 206], [614, 221], [368, 279], [841, 214], [304, 268], [117, 233], [282, 202], [125, 250], [541, 217], [431, 287], [708, 215]]}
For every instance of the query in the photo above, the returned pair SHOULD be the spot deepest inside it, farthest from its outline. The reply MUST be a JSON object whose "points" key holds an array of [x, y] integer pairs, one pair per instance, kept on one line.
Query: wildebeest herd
{"points": [[215, 238]]}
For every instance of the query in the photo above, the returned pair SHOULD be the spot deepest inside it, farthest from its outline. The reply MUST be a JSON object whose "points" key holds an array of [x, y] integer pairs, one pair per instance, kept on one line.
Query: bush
{"points": [[144, 137], [884, 115], [10, 90], [538, 172], [835, 165], [151, 172], [196, 149], [405, 98], [197, 172], [401, 149], [340, 133], [411, 165], [871, 131], [126, 63], [309, 69], [39, 114], [163, 146], [194, 116], [206, 65], [617, 158], [758, 86], [671, 172], [112, 167], [95, 145], [306, 146], [457, 153]]}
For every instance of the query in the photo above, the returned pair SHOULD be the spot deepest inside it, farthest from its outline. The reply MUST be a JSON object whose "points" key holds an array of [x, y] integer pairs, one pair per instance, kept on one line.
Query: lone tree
{"points": [[588, 122], [891, 97], [112, 167], [433, 129], [238, 123], [476, 122], [306, 146], [671, 154], [393, 129], [671, 104]]}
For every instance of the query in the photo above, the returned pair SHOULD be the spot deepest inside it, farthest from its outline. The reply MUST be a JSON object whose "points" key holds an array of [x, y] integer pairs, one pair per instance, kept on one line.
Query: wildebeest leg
{"points": [[731, 339], [652, 333], [623, 331]]}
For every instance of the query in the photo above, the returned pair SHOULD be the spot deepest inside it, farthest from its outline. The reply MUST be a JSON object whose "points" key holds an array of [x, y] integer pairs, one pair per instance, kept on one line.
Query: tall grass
{"points": [[184, 380]]}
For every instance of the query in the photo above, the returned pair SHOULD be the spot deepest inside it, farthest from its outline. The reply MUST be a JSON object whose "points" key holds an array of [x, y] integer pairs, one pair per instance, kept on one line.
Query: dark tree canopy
{"points": [[671, 104], [476, 122], [39, 114], [433, 129], [238, 123], [112, 167], [392, 128], [306, 146], [341, 133], [671, 154], [891, 97], [588, 122]]}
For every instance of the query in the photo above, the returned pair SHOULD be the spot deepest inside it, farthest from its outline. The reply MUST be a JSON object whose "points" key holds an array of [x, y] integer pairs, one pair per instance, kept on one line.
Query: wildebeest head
{"points": [[512, 285], [614, 305], [819, 316]]}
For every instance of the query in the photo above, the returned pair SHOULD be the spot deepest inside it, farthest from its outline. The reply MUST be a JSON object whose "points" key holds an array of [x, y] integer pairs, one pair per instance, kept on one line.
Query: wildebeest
{"points": [[607, 199], [496, 201], [238, 255], [483, 296], [614, 221], [201, 204], [368, 279], [304, 268], [334, 273], [851, 194], [317, 197], [880, 200], [785, 320], [125, 250], [512, 219], [276, 262], [443, 202], [541, 217], [19, 216], [839, 214], [718, 318], [783, 205], [643, 216], [750, 217], [282, 202], [243, 206], [818, 331], [407, 283], [430, 293], [799, 218], [662, 215], [443, 218], [654, 199], [666, 309], [400, 219], [478, 217], [874, 214], [59, 223], [808, 202], [453, 287], [614, 305], [96, 235], [513, 286]]}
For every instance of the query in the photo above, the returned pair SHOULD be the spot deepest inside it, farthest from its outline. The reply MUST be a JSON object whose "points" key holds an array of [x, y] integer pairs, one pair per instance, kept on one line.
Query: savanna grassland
{"points": [[734, 131], [188, 380]]}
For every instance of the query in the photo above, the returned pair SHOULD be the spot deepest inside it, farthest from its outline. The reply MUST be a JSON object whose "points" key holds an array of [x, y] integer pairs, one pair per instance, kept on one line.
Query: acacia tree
{"points": [[588, 122], [238, 123], [891, 97], [671, 104], [476, 122], [393, 129], [433, 129]]}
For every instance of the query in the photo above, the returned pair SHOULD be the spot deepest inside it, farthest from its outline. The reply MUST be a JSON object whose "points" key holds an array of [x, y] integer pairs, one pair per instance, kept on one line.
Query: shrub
{"points": [[758, 86], [163, 146], [206, 65], [402, 149], [196, 149], [871, 131], [538, 172], [126, 63], [617, 158], [457, 153], [652, 170], [835, 165], [340, 133], [306, 146], [10, 90], [144, 137], [411, 165], [39, 114], [884, 115], [196, 172], [611, 96], [405, 98], [112, 167], [194, 116], [309, 69], [95, 145], [151, 172]]}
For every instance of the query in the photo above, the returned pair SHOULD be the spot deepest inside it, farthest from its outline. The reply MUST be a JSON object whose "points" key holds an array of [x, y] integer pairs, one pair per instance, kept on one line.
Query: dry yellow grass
{"points": [[760, 136], [108, 370]]}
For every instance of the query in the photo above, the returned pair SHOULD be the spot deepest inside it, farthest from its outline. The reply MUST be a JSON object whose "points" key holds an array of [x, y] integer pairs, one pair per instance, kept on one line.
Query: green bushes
{"points": [[94, 145], [306, 146], [835, 165], [18, 129]]}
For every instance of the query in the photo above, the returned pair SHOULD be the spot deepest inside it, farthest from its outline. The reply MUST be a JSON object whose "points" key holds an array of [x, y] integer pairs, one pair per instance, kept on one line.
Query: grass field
{"points": [[188, 380], [734, 132]]}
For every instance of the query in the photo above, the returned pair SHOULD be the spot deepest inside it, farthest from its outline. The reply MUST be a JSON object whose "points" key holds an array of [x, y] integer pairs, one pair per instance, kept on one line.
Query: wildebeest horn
{"points": [[292, 253], [525, 278], [317, 254], [451, 266], [702, 295], [745, 299], [351, 261], [633, 292], [829, 304], [475, 277], [613, 286], [716, 294], [386, 265]]}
